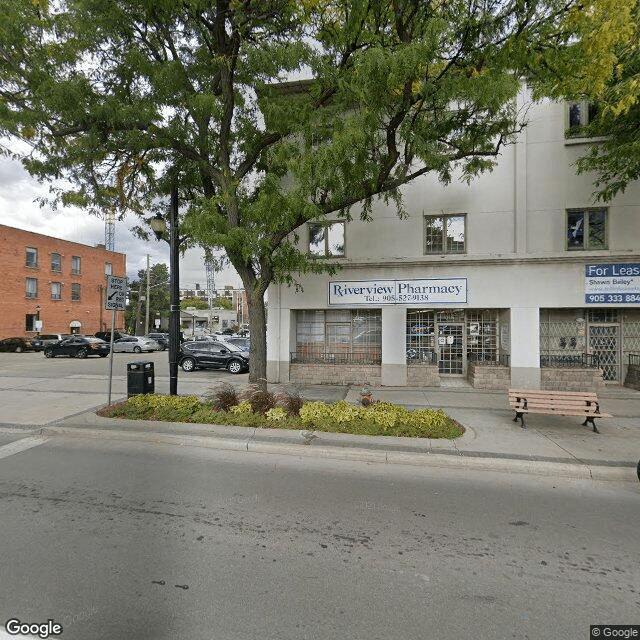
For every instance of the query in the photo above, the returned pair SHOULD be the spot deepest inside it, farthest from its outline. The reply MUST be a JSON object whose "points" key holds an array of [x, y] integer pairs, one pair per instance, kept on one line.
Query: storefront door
{"points": [[604, 343], [451, 348]]}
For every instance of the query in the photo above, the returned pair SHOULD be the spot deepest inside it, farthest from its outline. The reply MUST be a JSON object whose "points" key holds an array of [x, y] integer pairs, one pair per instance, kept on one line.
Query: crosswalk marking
{"points": [[20, 445]]}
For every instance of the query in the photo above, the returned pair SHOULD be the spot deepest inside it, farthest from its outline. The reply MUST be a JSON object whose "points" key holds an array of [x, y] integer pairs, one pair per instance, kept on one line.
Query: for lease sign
{"points": [[612, 283], [418, 291]]}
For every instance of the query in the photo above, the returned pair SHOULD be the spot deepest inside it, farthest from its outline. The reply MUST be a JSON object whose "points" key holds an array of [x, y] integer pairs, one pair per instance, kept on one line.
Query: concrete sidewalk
{"points": [[551, 445]]}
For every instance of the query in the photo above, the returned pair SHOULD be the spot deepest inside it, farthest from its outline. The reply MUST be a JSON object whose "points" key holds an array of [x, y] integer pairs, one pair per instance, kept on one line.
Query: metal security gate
{"points": [[604, 343], [451, 348]]}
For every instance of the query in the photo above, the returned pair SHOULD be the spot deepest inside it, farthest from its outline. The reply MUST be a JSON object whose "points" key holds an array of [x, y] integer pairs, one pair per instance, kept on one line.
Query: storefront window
{"points": [[482, 336], [420, 336], [338, 336], [443, 337]]}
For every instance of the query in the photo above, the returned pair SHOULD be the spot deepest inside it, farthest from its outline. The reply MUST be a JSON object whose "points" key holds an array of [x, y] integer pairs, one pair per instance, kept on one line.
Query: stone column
{"points": [[525, 347], [394, 360]]}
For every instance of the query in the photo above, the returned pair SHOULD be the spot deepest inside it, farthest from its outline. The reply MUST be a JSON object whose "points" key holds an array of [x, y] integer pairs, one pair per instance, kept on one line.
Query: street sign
{"points": [[116, 299]]}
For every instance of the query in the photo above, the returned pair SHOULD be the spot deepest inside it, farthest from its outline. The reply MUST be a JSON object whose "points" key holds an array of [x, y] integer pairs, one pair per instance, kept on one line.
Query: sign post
{"points": [[115, 300]]}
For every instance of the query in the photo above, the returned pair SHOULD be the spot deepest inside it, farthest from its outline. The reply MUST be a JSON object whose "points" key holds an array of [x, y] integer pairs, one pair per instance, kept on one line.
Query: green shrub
{"points": [[342, 411], [382, 418], [277, 414], [243, 407], [158, 407], [312, 412]]}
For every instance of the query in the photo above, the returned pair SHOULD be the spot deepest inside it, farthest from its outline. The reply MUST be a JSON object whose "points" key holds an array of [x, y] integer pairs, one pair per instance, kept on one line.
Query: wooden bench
{"points": [[561, 403]]}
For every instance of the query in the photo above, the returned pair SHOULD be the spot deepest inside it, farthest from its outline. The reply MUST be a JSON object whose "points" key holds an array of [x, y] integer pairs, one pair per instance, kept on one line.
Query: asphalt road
{"points": [[135, 541], [35, 390]]}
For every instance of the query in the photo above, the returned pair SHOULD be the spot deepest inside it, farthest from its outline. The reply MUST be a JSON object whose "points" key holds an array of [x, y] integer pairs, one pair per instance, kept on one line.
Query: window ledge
{"points": [[568, 142]]}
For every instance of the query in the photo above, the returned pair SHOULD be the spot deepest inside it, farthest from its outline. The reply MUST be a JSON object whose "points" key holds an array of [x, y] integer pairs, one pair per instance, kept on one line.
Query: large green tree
{"points": [[126, 99], [135, 315], [196, 303], [615, 156], [607, 75]]}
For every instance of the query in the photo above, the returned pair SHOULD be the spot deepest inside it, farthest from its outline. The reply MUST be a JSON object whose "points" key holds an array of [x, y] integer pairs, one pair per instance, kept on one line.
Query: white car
{"points": [[135, 344]]}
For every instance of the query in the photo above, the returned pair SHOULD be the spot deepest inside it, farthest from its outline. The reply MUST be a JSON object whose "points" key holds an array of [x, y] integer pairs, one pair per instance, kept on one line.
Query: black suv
{"points": [[200, 354]]}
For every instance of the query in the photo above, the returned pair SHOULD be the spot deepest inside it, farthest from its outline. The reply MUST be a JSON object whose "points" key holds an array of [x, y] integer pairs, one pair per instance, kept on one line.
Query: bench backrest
{"points": [[530, 394], [566, 400]]}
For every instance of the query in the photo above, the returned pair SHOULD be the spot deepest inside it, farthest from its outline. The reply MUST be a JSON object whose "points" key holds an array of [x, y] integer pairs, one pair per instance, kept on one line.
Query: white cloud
{"points": [[18, 208]]}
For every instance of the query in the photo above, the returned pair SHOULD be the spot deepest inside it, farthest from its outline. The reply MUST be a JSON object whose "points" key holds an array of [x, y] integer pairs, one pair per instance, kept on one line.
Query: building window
{"points": [[339, 336], [56, 262], [75, 265], [579, 115], [586, 229], [445, 234], [56, 291], [75, 292], [30, 322], [32, 288], [326, 239], [108, 269], [32, 257]]}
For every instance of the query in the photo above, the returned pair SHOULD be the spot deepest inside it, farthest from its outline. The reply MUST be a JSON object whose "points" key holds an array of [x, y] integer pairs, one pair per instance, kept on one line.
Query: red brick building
{"points": [[59, 283]]}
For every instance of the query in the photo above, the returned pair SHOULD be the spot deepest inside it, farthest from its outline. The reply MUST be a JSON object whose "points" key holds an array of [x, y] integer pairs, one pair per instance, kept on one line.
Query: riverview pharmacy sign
{"points": [[421, 291], [612, 283]]}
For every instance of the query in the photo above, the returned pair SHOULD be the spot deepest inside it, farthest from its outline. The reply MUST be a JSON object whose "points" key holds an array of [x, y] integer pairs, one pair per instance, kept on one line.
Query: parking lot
{"points": [[35, 390]]}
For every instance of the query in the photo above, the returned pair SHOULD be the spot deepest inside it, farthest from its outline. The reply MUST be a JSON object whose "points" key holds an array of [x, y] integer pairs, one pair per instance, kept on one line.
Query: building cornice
{"points": [[573, 258]]}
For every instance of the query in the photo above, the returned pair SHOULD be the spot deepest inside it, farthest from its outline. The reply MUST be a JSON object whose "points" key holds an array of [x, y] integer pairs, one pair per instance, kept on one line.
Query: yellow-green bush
{"points": [[381, 418], [243, 407], [159, 407], [312, 412], [342, 411], [277, 414], [427, 418]]}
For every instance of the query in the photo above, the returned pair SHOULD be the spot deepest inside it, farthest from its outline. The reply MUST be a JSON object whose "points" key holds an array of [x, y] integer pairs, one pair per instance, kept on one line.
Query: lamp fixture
{"points": [[158, 225]]}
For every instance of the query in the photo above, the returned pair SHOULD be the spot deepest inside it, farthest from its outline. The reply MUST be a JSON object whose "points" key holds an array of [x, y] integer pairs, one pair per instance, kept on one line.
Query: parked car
{"points": [[41, 341], [16, 344], [106, 335], [78, 347], [225, 332], [161, 338], [135, 344], [198, 354], [242, 343]]}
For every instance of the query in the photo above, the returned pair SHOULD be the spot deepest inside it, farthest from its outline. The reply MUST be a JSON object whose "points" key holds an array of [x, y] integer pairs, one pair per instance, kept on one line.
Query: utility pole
{"points": [[146, 317]]}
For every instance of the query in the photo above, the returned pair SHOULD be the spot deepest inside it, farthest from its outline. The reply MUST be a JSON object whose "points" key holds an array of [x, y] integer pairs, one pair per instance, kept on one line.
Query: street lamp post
{"points": [[159, 227], [37, 318]]}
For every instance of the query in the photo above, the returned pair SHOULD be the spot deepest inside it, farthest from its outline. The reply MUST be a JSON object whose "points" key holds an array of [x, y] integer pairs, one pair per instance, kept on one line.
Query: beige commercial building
{"points": [[518, 278]]}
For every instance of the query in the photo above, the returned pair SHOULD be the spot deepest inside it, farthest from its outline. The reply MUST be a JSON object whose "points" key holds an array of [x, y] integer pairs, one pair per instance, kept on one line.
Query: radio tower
{"points": [[110, 230], [209, 266]]}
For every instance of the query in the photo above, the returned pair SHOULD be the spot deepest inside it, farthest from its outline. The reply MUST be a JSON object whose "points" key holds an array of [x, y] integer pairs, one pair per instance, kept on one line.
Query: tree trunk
{"points": [[258, 332]]}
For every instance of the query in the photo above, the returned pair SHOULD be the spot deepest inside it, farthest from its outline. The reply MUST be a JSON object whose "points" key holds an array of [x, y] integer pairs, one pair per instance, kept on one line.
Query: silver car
{"points": [[135, 344]]}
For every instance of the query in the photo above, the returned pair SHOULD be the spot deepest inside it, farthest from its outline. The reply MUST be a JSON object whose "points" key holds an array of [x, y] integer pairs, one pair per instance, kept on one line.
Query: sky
{"points": [[19, 209]]}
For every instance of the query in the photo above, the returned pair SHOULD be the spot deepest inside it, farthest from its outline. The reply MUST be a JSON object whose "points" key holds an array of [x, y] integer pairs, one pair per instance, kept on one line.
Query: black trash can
{"points": [[140, 378]]}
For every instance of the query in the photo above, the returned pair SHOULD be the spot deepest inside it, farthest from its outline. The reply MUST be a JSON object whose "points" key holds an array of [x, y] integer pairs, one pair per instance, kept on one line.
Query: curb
{"points": [[476, 461]]}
